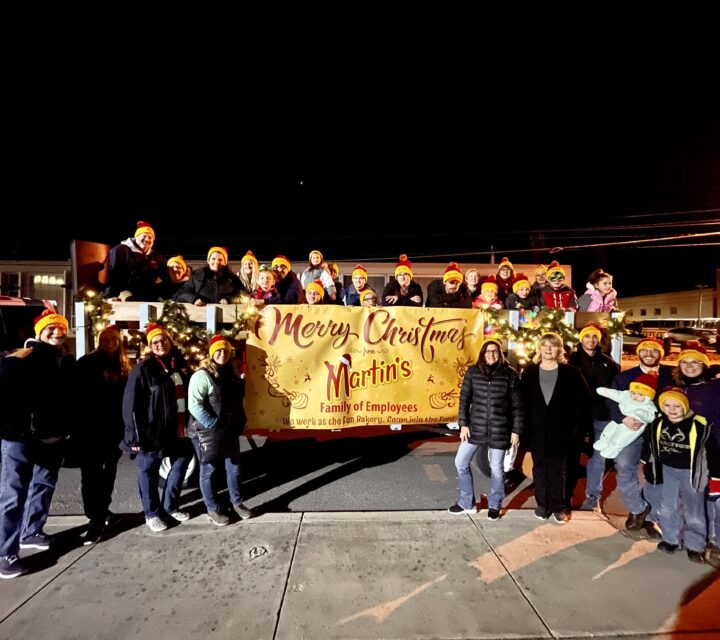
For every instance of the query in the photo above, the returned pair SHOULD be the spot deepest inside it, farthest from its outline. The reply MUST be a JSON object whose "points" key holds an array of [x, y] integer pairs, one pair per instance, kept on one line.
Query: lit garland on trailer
{"points": [[533, 325]]}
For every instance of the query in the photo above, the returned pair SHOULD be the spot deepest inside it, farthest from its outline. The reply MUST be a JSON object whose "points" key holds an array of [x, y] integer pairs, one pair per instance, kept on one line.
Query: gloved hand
{"points": [[714, 489]]}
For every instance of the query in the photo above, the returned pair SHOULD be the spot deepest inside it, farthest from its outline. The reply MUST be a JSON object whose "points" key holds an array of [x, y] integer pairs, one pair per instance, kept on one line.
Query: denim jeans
{"points": [[208, 472], [688, 520], [464, 456], [27, 483], [627, 463], [595, 466], [148, 463]]}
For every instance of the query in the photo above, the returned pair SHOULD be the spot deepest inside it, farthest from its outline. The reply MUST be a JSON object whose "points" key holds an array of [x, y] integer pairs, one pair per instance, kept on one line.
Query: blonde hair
{"points": [[556, 341]]}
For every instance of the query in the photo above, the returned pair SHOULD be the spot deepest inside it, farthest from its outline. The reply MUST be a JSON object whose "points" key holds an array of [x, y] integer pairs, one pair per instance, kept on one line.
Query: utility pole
{"points": [[700, 288]]}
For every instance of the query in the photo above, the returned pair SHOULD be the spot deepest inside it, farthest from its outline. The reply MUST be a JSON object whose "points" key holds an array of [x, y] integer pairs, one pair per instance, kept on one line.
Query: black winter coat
{"points": [[552, 430], [392, 288], [209, 286], [149, 404], [437, 297], [35, 393], [100, 389], [491, 405], [599, 370]]}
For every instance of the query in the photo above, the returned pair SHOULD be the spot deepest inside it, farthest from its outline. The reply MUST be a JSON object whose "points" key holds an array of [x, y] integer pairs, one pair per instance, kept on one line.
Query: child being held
{"points": [[636, 402]]}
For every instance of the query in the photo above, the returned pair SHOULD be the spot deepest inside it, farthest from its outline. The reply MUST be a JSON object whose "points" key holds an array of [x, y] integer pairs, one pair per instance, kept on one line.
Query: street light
{"points": [[700, 288]]}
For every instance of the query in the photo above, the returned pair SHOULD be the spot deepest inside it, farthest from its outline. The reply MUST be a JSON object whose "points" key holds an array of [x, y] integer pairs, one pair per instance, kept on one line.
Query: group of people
{"points": [[158, 408], [137, 271], [555, 404]]}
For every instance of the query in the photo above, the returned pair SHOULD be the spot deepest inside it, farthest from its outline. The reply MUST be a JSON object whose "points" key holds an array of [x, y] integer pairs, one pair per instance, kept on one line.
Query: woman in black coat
{"points": [[556, 400], [490, 414]]}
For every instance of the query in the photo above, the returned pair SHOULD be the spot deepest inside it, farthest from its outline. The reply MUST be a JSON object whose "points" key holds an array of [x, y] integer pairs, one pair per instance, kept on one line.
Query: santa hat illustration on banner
{"points": [[346, 359]]}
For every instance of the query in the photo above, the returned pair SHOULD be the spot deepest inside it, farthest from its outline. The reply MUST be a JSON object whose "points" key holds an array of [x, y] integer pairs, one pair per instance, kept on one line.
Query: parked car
{"points": [[631, 338], [681, 335], [17, 320]]}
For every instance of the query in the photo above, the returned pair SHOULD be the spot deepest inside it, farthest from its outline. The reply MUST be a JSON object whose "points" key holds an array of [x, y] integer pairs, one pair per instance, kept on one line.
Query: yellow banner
{"points": [[333, 367]]}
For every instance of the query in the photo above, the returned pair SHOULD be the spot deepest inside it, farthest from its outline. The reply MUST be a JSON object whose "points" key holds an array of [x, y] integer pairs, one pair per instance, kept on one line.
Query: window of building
{"points": [[658, 311], [643, 312], [673, 310], [10, 284]]}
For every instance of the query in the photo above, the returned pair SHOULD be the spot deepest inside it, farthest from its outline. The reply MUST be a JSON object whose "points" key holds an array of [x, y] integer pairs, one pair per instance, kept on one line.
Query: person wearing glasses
{"points": [[559, 295], [286, 281]]}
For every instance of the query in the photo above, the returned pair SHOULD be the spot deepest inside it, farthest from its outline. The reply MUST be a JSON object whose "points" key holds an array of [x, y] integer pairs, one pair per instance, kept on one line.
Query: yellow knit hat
{"points": [[590, 328], [403, 266], [249, 255], [645, 383], [153, 329], [47, 318], [316, 286], [144, 227], [281, 260], [694, 351], [452, 272], [677, 394], [221, 250], [218, 342], [520, 282], [178, 260], [489, 284], [359, 270], [650, 343]]}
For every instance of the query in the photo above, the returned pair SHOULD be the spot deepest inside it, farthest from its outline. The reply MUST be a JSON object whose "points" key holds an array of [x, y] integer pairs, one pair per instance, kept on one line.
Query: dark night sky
{"points": [[352, 174]]}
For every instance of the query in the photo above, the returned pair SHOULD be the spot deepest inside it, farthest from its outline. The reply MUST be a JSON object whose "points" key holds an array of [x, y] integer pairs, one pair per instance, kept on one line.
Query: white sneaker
{"points": [[453, 425], [155, 524], [180, 516], [395, 427]]}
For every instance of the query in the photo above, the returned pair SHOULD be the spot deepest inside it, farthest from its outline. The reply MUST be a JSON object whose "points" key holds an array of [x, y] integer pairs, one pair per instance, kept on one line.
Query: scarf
{"points": [[179, 395]]}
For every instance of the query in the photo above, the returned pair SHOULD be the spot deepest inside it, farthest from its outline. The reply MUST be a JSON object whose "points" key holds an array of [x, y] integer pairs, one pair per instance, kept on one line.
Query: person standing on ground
{"points": [[642, 504], [216, 396], [599, 370], [34, 425], [556, 402], [154, 416], [683, 458], [693, 375], [490, 414], [102, 376]]}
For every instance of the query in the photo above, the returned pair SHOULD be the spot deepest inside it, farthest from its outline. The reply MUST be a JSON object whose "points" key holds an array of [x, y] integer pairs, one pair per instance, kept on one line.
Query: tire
{"points": [[191, 475]]}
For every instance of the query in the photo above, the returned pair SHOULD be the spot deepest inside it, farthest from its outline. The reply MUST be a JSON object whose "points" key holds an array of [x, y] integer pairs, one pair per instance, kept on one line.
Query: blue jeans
{"points": [[232, 475], [464, 456], [148, 463], [677, 491], [595, 466], [628, 482], [27, 483]]}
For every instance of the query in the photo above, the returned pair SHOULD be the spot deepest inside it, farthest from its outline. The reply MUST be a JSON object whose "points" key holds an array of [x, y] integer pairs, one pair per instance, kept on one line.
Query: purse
{"points": [[213, 443]]}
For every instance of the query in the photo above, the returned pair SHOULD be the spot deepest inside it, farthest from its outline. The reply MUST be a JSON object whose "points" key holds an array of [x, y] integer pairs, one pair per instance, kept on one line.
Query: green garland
{"points": [[534, 324], [98, 310]]}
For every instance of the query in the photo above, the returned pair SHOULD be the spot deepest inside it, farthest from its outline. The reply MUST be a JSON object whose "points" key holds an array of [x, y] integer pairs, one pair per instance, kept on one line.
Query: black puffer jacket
{"points": [[209, 286], [491, 405]]}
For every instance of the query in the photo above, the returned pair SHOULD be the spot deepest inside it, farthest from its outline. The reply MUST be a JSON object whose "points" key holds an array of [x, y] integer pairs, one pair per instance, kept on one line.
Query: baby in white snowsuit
{"points": [[636, 402]]}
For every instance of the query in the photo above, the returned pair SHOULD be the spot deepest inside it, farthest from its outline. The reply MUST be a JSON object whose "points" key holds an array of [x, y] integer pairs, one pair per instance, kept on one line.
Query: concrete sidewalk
{"points": [[360, 575]]}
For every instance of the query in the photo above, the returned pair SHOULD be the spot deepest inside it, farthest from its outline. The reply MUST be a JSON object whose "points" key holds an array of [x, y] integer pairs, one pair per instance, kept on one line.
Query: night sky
{"points": [[352, 175]]}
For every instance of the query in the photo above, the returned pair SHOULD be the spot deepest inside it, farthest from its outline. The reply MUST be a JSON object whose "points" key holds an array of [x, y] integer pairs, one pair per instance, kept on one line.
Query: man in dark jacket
{"points": [[599, 370], [450, 292], [154, 412], [286, 281], [34, 391], [643, 504], [135, 270], [490, 414]]}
